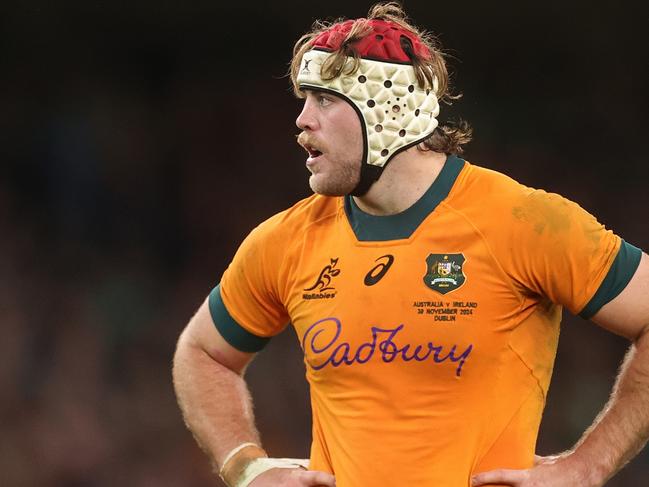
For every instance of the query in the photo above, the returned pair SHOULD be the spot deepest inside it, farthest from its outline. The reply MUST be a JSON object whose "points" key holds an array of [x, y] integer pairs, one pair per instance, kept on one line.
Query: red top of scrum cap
{"points": [[385, 42]]}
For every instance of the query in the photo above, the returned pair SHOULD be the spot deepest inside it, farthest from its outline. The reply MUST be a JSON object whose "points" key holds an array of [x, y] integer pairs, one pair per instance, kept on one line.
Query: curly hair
{"points": [[431, 72]]}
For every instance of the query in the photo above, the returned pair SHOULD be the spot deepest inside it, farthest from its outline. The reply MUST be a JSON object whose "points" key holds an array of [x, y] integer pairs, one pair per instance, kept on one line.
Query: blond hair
{"points": [[447, 138]]}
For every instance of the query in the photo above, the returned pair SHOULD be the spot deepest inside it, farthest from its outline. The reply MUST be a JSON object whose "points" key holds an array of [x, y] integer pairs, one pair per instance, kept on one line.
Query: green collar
{"points": [[371, 228]]}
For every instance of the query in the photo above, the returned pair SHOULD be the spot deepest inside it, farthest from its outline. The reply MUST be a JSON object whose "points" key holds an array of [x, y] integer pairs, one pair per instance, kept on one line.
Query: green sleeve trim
{"points": [[624, 266], [233, 332]]}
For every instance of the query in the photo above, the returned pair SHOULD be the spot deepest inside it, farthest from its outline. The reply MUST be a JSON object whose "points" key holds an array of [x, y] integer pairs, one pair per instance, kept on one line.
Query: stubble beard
{"points": [[339, 182]]}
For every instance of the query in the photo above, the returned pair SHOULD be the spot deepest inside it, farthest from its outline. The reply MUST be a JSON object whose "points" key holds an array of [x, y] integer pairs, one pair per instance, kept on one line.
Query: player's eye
{"points": [[323, 100]]}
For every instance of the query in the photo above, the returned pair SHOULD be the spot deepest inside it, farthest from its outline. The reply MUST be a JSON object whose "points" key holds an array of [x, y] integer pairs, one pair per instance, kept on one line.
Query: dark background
{"points": [[141, 141]]}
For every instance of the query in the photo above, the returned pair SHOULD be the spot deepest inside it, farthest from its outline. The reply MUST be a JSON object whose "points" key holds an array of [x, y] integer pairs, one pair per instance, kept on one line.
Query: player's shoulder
{"points": [[309, 211], [491, 198], [489, 192], [502, 188], [482, 182]]}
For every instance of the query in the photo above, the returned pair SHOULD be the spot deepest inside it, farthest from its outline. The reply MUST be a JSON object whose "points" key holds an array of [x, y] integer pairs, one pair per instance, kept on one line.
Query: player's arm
{"points": [[622, 428], [211, 391], [216, 405]]}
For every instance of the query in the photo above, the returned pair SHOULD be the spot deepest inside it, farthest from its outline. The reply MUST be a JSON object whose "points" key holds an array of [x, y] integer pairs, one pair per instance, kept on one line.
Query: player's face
{"points": [[331, 134]]}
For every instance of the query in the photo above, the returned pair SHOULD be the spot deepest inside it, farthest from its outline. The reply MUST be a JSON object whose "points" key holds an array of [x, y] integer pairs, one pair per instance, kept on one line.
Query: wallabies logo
{"points": [[444, 272], [322, 289]]}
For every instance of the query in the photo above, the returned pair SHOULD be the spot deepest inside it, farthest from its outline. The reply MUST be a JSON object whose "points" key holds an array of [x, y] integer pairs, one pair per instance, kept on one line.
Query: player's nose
{"points": [[307, 119]]}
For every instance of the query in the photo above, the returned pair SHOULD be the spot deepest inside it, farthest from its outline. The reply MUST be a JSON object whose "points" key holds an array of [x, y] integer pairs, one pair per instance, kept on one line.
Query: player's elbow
{"points": [[643, 335]]}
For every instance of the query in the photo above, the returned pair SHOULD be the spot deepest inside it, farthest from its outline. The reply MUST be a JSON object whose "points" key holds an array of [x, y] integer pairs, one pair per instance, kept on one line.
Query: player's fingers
{"points": [[507, 477], [314, 478]]}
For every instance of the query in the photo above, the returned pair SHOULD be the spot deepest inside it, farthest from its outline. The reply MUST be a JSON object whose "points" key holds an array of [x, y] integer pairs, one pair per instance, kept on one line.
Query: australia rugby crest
{"points": [[444, 272]]}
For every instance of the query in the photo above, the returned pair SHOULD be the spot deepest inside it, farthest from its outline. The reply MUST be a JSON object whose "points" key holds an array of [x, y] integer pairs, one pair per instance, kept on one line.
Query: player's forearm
{"points": [[622, 428], [214, 401]]}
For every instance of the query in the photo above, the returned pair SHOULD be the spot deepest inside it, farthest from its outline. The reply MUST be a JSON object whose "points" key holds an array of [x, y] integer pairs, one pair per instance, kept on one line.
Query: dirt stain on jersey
{"points": [[556, 215], [545, 211]]}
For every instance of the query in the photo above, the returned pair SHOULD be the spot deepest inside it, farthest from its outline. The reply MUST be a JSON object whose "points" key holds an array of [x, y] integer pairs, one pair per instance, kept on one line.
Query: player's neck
{"points": [[405, 179]]}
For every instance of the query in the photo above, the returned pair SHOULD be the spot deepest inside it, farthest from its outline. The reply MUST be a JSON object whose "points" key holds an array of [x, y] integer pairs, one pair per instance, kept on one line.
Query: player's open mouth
{"points": [[313, 152]]}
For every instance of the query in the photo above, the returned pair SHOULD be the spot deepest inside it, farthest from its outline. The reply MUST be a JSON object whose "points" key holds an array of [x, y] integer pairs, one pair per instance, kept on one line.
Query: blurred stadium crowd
{"points": [[139, 148]]}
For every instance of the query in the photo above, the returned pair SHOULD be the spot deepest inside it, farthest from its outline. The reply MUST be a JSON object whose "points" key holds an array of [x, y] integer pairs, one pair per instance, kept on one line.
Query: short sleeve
{"points": [[246, 306], [560, 251]]}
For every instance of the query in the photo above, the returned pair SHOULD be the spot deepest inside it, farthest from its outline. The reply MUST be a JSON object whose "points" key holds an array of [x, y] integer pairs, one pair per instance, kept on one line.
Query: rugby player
{"points": [[426, 293]]}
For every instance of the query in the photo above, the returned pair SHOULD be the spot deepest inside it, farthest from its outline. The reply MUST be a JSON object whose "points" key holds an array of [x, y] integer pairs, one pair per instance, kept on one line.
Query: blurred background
{"points": [[141, 141]]}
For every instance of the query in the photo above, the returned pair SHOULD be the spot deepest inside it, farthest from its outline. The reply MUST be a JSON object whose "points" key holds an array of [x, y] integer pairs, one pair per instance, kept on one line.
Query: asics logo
{"points": [[377, 272]]}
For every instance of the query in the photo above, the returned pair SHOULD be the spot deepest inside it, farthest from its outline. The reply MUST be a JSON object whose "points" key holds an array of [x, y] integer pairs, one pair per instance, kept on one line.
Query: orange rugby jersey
{"points": [[429, 336]]}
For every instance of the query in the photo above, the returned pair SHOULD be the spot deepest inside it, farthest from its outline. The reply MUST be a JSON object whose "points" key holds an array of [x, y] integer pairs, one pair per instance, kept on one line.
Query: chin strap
{"points": [[369, 175]]}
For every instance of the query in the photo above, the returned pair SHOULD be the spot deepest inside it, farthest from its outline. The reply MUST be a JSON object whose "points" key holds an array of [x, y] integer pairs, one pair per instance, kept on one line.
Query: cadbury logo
{"points": [[323, 348]]}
